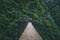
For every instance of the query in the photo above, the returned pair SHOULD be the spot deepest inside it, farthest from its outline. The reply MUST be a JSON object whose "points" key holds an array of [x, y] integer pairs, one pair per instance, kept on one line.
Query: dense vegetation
{"points": [[14, 15]]}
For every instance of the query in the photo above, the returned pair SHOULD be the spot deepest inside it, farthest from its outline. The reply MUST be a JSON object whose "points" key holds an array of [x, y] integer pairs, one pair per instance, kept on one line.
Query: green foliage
{"points": [[14, 14], [54, 8]]}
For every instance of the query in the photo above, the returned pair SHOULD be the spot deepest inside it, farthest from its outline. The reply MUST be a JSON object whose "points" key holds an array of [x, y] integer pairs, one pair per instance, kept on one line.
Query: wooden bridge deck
{"points": [[30, 33]]}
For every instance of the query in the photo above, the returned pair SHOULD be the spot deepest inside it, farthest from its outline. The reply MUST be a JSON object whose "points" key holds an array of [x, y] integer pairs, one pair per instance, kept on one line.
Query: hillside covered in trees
{"points": [[15, 14]]}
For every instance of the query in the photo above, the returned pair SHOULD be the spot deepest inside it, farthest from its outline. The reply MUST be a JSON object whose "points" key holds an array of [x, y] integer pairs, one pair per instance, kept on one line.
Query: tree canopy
{"points": [[14, 15]]}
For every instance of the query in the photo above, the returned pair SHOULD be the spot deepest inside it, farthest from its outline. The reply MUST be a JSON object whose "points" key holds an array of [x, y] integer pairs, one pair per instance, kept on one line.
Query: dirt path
{"points": [[30, 33]]}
